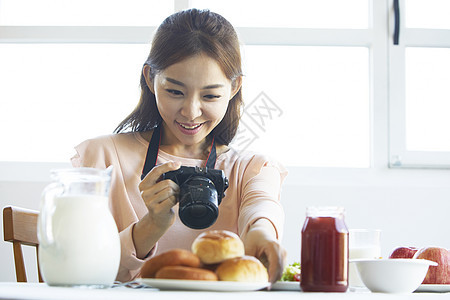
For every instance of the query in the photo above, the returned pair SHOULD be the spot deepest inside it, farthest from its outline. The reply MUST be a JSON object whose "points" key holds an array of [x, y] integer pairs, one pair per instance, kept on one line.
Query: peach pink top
{"points": [[253, 192]]}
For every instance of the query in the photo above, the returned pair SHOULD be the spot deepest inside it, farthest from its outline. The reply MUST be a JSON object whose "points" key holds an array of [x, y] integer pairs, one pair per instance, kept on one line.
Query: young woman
{"points": [[191, 94]]}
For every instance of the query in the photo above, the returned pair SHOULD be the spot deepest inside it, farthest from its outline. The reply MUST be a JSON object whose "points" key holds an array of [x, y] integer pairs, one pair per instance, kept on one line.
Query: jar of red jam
{"points": [[324, 250]]}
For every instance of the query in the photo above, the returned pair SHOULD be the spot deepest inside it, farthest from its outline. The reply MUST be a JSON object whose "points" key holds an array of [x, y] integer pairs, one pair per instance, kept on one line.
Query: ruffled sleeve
{"points": [[262, 178]]}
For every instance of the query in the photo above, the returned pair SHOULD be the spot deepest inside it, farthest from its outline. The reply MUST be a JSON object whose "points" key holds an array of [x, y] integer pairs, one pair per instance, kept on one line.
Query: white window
{"points": [[419, 85], [318, 77], [342, 14], [84, 12], [57, 95], [308, 104]]}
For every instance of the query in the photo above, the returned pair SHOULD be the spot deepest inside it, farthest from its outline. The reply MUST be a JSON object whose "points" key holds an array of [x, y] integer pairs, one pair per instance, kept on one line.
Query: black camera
{"points": [[201, 191]]}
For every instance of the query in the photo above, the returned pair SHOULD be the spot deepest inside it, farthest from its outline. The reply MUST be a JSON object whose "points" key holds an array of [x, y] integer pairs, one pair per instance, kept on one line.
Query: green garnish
{"points": [[290, 271]]}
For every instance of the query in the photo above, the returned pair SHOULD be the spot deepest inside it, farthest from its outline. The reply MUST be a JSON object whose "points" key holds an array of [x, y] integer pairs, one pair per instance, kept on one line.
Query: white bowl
{"points": [[393, 275]]}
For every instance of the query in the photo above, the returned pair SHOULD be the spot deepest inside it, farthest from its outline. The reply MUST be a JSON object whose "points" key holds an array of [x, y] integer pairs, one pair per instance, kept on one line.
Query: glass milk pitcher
{"points": [[78, 239]]}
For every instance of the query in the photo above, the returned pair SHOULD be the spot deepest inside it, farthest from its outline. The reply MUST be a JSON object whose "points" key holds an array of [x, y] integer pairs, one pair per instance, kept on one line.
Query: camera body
{"points": [[201, 192]]}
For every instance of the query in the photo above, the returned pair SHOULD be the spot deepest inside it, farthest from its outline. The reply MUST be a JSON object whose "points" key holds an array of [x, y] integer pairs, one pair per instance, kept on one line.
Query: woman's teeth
{"points": [[189, 127]]}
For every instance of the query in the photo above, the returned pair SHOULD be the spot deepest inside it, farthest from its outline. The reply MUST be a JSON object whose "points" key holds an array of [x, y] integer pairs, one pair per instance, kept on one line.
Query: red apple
{"points": [[439, 274], [403, 252]]}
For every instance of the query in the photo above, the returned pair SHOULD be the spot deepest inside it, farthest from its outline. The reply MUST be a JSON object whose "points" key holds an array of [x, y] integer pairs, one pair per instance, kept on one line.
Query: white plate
{"points": [[203, 285], [436, 288], [286, 286]]}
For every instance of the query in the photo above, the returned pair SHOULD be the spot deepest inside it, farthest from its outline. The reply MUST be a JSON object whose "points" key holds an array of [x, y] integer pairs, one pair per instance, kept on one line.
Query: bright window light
{"points": [[56, 95], [84, 12], [289, 13], [310, 108], [430, 14], [427, 99], [61, 94]]}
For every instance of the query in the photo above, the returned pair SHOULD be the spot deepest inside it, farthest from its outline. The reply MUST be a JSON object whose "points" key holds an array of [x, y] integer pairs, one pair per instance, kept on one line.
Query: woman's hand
{"points": [[159, 197], [261, 242]]}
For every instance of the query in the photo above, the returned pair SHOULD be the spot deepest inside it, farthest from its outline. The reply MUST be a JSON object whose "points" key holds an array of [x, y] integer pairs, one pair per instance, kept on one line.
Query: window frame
{"points": [[399, 155], [374, 38]]}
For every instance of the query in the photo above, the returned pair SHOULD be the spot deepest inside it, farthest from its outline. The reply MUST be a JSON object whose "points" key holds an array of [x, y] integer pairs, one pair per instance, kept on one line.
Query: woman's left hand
{"points": [[261, 242]]}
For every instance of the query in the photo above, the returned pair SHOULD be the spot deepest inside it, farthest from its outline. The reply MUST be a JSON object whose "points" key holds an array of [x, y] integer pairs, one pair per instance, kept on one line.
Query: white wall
{"points": [[411, 207]]}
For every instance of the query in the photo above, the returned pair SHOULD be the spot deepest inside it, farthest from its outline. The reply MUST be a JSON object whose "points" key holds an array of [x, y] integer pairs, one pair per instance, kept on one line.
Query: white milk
{"points": [[86, 248], [369, 252]]}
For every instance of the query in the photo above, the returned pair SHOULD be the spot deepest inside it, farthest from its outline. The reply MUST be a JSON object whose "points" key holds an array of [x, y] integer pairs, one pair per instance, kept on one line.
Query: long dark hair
{"points": [[182, 35]]}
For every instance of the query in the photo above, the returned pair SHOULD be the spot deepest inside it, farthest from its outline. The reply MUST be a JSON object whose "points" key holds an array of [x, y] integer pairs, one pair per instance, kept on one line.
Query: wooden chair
{"points": [[20, 228]]}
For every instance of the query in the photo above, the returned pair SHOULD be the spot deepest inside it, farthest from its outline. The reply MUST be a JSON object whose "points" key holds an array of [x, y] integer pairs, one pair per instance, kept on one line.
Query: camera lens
{"points": [[198, 203], [198, 211]]}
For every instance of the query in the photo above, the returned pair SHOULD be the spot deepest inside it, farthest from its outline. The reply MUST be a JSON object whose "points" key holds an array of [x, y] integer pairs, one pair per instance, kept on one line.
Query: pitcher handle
{"points": [[47, 209]]}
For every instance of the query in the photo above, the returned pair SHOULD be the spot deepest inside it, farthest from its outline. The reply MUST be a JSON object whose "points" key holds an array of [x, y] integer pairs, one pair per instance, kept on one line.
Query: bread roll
{"points": [[185, 273], [245, 269], [216, 246], [175, 257]]}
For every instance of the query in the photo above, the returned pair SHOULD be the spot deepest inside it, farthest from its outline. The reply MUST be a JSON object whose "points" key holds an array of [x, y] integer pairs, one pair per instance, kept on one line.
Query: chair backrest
{"points": [[20, 228]]}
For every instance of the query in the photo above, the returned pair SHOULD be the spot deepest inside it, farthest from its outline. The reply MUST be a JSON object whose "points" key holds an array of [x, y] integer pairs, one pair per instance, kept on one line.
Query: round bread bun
{"points": [[216, 246], [175, 257], [244, 269], [185, 273]]}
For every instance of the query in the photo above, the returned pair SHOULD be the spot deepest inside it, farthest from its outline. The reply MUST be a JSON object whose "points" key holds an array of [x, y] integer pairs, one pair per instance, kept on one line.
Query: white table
{"points": [[40, 291]]}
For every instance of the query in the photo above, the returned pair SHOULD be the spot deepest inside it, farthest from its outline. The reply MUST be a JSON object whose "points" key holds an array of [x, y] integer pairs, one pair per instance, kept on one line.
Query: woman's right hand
{"points": [[160, 196]]}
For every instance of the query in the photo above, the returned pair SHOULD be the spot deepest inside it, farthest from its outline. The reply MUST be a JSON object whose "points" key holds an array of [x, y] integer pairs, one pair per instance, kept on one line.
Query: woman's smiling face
{"points": [[192, 97]]}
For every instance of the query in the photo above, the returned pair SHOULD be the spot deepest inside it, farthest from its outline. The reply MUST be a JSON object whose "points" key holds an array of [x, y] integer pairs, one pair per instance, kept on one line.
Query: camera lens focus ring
{"points": [[198, 203]]}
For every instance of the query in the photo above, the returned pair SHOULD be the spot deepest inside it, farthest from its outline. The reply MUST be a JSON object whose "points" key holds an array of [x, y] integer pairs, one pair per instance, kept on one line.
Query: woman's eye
{"points": [[212, 97], [174, 92]]}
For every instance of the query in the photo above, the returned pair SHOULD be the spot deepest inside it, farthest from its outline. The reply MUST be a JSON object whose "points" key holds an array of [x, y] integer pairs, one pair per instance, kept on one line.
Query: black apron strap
{"points": [[211, 161], [153, 149], [152, 152]]}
